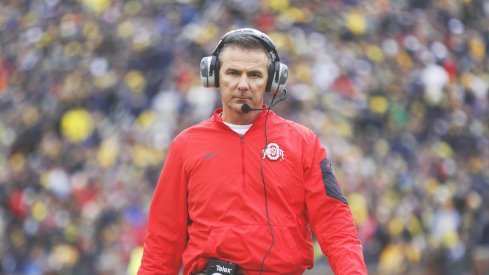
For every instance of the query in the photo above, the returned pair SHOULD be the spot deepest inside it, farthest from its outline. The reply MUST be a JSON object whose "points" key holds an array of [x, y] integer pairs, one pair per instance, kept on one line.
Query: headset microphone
{"points": [[245, 108]]}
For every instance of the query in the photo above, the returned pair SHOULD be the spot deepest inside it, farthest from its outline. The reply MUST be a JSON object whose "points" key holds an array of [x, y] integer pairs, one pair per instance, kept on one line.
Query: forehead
{"points": [[234, 55]]}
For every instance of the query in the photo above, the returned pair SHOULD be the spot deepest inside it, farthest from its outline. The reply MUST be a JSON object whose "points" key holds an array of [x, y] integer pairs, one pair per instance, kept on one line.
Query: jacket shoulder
{"points": [[196, 129], [294, 128]]}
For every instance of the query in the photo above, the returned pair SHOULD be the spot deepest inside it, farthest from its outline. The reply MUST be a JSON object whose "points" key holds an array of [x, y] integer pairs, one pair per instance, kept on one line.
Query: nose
{"points": [[243, 83]]}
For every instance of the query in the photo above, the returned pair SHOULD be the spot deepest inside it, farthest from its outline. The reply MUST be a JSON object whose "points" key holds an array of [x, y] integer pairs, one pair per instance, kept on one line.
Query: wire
{"points": [[265, 187]]}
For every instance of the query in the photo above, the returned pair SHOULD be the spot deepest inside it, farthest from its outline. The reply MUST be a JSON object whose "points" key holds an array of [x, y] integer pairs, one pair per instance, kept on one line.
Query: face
{"points": [[242, 79]]}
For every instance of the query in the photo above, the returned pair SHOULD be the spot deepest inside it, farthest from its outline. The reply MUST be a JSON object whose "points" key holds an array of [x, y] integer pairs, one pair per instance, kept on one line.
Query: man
{"points": [[240, 192]]}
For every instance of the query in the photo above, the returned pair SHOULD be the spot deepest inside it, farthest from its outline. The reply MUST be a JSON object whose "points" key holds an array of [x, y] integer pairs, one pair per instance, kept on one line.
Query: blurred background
{"points": [[93, 91]]}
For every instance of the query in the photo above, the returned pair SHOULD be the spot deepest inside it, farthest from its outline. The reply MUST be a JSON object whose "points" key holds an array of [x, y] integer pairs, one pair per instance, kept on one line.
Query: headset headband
{"points": [[263, 38]]}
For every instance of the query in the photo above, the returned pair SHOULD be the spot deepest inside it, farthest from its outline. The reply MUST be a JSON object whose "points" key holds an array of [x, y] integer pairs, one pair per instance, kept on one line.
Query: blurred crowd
{"points": [[93, 91]]}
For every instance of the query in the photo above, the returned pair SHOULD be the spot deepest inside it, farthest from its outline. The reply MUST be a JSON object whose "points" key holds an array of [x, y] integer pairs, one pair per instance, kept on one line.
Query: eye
{"points": [[232, 72], [255, 75]]}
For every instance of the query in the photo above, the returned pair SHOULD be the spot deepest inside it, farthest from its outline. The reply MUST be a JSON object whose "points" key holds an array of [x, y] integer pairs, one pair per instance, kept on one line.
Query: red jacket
{"points": [[209, 202]]}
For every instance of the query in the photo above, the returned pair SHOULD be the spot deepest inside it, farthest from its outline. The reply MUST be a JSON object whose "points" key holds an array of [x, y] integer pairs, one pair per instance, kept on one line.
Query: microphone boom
{"points": [[245, 108]]}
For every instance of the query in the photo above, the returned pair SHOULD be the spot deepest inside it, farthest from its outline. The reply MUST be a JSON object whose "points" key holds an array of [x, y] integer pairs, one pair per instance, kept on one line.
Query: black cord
{"points": [[265, 187]]}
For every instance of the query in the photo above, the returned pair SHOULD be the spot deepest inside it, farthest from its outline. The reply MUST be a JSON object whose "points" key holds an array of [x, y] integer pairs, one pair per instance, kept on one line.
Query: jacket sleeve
{"points": [[166, 236], [329, 213]]}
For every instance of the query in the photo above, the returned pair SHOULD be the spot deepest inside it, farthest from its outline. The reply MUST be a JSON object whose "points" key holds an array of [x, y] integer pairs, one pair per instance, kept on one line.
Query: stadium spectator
{"points": [[93, 92]]}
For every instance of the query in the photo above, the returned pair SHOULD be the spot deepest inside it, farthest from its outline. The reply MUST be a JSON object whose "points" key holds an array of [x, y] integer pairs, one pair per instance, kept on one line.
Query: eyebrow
{"points": [[239, 70]]}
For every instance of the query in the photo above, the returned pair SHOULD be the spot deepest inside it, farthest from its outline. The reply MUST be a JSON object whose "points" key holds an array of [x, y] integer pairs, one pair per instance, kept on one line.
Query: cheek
{"points": [[258, 95], [261, 84], [226, 93], [227, 83]]}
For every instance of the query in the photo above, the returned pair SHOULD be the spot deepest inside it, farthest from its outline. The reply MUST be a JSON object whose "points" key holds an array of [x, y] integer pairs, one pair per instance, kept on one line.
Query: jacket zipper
{"points": [[241, 140]]}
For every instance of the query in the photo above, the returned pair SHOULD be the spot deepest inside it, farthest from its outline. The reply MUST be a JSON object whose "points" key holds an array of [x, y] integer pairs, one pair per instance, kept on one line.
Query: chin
{"points": [[238, 108]]}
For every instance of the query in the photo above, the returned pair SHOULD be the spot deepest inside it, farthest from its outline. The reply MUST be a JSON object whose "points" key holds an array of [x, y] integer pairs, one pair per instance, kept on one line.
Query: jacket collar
{"points": [[260, 120]]}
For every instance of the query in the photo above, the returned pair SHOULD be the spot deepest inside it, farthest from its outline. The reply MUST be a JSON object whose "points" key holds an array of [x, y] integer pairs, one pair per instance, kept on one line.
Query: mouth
{"points": [[240, 99]]}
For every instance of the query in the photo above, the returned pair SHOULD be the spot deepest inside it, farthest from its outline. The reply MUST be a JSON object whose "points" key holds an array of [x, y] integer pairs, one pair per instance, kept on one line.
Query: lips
{"points": [[242, 99]]}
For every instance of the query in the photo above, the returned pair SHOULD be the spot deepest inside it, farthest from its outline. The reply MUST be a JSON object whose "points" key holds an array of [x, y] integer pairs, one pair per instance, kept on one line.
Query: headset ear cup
{"points": [[205, 72], [208, 73], [279, 79]]}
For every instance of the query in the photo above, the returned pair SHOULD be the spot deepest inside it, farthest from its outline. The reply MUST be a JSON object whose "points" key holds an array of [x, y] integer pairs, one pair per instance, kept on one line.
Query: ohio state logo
{"points": [[273, 152]]}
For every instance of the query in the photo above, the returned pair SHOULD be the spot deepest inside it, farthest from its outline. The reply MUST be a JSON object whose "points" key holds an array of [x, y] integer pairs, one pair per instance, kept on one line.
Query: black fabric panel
{"points": [[330, 183]]}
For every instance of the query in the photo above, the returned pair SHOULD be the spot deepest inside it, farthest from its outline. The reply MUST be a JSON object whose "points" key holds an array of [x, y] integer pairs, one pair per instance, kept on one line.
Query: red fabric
{"points": [[226, 216]]}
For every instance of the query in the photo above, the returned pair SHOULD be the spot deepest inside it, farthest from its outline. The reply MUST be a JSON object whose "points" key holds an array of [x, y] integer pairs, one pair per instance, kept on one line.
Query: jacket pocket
{"points": [[247, 245]]}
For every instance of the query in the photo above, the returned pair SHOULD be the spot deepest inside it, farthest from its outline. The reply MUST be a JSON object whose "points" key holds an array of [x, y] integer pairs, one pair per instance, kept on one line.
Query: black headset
{"points": [[277, 71]]}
